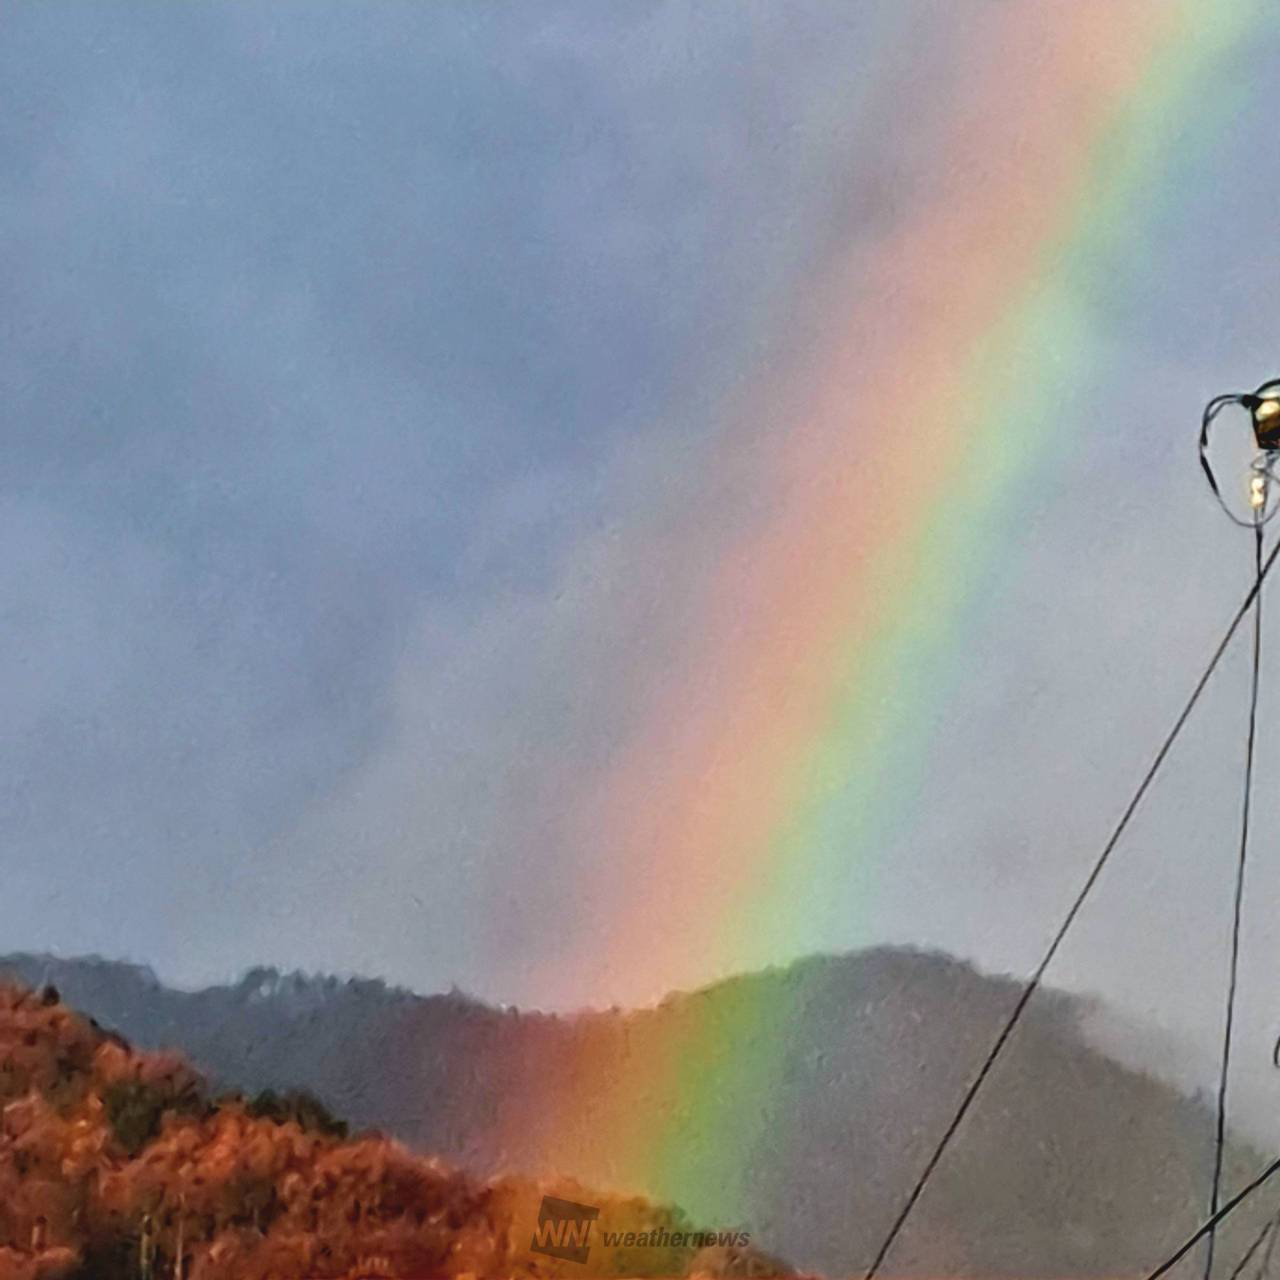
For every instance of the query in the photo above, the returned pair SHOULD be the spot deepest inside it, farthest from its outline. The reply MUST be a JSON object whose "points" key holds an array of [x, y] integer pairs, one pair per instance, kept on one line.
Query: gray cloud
{"points": [[359, 367], [346, 359]]}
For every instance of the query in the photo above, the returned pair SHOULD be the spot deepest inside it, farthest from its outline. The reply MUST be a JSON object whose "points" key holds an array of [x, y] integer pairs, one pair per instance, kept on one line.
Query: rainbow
{"points": [[899, 458]]}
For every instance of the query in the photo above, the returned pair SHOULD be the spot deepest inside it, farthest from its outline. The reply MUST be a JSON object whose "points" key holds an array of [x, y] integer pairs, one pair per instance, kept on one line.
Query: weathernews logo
{"points": [[564, 1231]]}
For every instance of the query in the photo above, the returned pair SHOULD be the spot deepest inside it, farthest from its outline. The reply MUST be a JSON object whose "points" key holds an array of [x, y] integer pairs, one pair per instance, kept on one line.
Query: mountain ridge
{"points": [[1071, 1163]]}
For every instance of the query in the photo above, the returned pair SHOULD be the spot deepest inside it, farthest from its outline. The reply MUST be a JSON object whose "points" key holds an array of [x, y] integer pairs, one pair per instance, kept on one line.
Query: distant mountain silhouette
{"points": [[117, 1164], [1070, 1165]]}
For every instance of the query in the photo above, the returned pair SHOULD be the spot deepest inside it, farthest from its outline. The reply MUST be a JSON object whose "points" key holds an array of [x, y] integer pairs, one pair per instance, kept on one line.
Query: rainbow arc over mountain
{"points": [[949, 345]]}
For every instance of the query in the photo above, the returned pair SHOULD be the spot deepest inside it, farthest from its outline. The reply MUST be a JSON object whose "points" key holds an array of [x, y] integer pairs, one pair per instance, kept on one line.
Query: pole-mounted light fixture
{"points": [[1263, 408]]}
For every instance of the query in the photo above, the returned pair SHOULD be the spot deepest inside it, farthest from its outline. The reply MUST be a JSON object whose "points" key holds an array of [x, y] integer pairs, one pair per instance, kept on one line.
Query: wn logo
{"points": [[564, 1229]]}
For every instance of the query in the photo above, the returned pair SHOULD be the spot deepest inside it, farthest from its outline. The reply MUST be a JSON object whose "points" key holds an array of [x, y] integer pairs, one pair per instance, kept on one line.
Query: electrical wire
{"points": [[1265, 1269], [1212, 1222], [1220, 1136], [1262, 1235], [1033, 983]]}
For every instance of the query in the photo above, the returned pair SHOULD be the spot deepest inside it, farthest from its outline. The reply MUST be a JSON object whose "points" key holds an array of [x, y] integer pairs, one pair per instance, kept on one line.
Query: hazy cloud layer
{"points": [[347, 357], [360, 368]]}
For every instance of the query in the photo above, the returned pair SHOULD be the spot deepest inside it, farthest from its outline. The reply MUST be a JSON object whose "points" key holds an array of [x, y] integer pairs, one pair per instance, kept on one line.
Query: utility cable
{"points": [[1258, 1240], [1211, 1224], [1265, 1269], [1220, 1136], [1033, 983]]}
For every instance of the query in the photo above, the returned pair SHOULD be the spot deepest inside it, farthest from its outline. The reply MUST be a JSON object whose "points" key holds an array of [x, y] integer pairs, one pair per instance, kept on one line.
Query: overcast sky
{"points": [[350, 355]]}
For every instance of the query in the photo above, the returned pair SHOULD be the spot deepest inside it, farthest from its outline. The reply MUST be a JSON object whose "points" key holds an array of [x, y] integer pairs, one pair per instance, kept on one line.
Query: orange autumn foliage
{"points": [[116, 1164]]}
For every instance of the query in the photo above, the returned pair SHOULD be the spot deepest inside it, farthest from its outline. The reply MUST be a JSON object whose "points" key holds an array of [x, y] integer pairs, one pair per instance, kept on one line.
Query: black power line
{"points": [[1033, 983], [1230, 1207], [1265, 1268], [1220, 1136], [1252, 1249]]}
